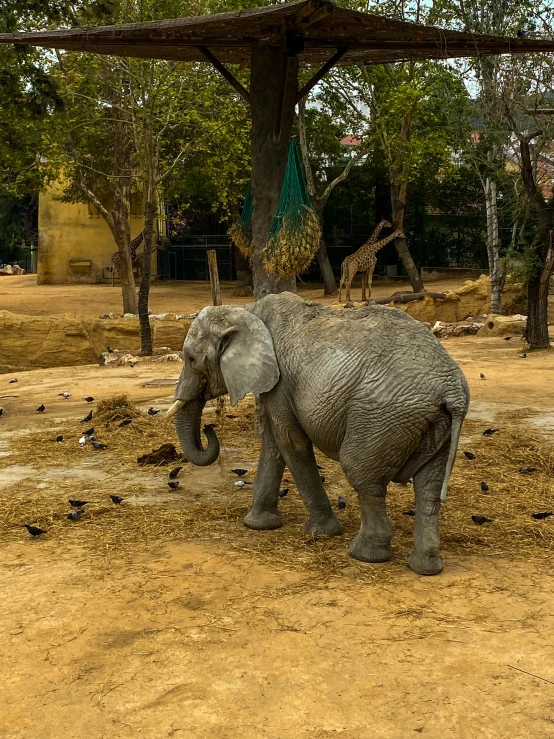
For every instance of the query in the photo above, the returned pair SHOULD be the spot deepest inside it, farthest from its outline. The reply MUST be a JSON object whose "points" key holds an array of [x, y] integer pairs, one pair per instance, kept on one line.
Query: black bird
{"points": [[322, 478], [34, 530], [173, 474], [89, 432], [411, 512], [75, 515], [98, 445], [484, 487], [507, 338], [78, 503], [240, 472], [469, 455], [527, 470], [482, 376], [153, 412], [116, 499], [132, 364], [542, 516], [283, 492], [523, 356], [41, 408], [341, 502], [1, 411], [14, 380], [173, 484], [87, 418], [489, 432], [480, 520], [89, 398], [125, 422], [109, 350], [59, 438], [521, 33]]}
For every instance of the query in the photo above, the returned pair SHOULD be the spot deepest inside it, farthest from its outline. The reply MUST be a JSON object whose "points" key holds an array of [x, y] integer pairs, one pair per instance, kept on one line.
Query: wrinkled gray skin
{"points": [[372, 389]]}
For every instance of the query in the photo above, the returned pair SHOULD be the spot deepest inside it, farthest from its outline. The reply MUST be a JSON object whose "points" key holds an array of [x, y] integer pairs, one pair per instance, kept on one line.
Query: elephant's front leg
{"points": [[264, 513], [297, 449]]}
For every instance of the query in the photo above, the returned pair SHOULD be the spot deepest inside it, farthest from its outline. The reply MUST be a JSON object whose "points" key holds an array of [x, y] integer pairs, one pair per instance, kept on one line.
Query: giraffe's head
{"points": [[385, 224]]}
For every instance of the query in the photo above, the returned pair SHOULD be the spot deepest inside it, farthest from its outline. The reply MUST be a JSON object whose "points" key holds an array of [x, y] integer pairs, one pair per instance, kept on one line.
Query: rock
{"points": [[7, 270], [162, 316], [131, 316], [17, 270], [126, 359], [173, 357], [503, 326]]}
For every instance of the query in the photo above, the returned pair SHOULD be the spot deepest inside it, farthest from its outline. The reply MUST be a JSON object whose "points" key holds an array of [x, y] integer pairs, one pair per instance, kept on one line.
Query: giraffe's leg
{"points": [[370, 278], [364, 281], [113, 274], [342, 278], [349, 278]]}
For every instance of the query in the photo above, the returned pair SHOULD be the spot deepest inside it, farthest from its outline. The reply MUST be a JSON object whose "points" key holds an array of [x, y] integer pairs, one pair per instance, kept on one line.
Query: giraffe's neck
{"points": [[387, 240], [375, 235], [135, 243]]}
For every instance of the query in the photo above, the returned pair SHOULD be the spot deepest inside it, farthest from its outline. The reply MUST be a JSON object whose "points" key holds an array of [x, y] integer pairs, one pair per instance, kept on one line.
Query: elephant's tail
{"points": [[455, 429], [456, 404]]}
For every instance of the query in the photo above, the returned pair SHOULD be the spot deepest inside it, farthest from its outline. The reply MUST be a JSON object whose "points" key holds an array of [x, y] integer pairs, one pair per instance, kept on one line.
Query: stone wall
{"points": [[30, 342]]}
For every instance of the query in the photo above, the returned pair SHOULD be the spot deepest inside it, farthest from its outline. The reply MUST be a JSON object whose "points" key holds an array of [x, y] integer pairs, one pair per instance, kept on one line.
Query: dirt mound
{"points": [[29, 342]]}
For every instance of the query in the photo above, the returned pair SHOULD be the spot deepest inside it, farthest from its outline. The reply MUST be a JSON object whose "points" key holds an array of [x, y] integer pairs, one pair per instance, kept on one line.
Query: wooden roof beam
{"points": [[313, 11], [222, 69], [318, 76]]}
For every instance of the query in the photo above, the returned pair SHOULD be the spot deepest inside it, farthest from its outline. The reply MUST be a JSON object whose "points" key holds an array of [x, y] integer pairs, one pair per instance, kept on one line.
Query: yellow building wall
{"points": [[70, 234]]}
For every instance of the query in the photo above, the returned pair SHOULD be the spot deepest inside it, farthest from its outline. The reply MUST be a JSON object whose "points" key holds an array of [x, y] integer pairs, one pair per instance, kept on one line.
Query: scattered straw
{"points": [[120, 531]]}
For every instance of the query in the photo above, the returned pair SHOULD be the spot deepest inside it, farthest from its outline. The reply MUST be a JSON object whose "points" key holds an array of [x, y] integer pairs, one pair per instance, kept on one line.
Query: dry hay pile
{"points": [[113, 532]]}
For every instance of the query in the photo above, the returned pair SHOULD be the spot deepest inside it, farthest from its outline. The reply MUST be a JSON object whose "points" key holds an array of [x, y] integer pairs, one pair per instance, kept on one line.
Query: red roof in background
{"points": [[351, 141]]}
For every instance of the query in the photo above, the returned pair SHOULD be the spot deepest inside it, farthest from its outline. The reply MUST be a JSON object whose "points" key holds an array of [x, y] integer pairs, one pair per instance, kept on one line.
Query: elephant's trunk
{"points": [[187, 423]]}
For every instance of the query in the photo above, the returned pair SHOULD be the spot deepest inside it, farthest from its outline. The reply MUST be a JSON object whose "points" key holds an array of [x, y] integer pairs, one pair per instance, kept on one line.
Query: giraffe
{"points": [[136, 259], [365, 260]]}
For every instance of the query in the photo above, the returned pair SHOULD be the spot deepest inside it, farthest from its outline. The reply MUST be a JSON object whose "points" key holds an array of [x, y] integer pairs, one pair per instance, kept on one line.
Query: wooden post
{"points": [[214, 277]]}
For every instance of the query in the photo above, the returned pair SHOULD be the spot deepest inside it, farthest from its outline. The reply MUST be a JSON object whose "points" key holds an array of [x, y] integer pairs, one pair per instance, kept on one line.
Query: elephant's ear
{"points": [[248, 362]]}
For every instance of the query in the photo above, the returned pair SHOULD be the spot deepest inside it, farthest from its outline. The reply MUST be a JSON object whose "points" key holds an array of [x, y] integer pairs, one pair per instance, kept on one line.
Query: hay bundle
{"points": [[241, 231], [295, 232], [291, 249]]}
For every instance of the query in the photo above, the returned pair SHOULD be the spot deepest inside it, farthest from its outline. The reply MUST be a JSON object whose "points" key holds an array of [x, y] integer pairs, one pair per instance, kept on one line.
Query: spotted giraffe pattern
{"points": [[136, 259], [364, 260]]}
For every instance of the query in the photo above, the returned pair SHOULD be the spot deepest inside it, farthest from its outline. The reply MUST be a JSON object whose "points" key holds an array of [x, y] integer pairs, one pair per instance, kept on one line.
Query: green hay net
{"points": [[295, 232]]}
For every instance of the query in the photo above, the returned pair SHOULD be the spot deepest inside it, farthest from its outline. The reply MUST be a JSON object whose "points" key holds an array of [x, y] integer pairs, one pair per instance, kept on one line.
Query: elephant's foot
{"points": [[425, 564], [262, 520], [330, 526], [365, 551]]}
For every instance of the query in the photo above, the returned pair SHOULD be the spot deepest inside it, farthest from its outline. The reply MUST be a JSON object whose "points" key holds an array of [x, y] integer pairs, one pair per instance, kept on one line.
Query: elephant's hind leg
{"points": [[373, 542], [426, 559], [264, 513]]}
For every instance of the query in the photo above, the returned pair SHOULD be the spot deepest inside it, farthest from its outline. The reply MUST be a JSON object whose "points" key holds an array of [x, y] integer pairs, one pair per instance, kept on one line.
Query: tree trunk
{"points": [[329, 281], [536, 331], [122, 210], [497, 275], [398, 203], [330, 286], [269, 157], [144, 290], [244, 275]]}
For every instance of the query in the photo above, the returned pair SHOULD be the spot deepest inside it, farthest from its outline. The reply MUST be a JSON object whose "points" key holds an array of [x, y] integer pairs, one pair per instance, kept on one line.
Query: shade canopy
{"points": [[313, 30]]}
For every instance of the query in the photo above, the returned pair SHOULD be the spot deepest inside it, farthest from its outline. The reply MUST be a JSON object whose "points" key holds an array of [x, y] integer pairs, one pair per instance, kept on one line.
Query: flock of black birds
{"points": [[78, 505]]}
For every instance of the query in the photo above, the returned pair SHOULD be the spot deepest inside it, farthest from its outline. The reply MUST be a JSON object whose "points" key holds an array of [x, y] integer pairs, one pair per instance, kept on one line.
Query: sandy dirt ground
{"points": [[21, 294], [212, 639]]}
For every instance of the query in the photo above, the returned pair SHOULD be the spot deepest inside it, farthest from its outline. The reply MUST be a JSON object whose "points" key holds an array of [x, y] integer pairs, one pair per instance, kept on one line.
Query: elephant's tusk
{"points": [[177, 405]]}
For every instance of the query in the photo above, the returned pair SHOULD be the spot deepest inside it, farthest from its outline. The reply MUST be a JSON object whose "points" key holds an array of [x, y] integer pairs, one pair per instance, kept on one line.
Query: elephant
{"points": [[371, 388]]}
